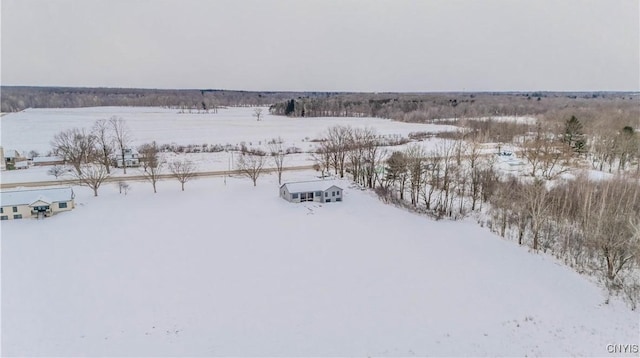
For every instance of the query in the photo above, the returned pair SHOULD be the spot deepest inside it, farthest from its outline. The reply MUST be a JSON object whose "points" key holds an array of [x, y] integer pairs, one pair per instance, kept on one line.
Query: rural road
{"points": [[141, 177]]}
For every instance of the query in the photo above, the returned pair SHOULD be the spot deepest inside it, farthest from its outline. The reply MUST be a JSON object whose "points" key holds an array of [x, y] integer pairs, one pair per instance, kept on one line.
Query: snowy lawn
{"points": [[234, 270]]}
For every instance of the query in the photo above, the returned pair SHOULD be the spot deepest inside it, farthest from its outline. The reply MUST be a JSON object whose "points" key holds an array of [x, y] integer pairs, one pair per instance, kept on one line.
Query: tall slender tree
{"points": [[122, 138]]}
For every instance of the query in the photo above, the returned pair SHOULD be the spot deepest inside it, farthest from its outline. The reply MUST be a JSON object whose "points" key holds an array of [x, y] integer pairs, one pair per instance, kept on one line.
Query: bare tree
{"points": [[250, 165], [277, 154], [121, 136], [182, 170], [536, 206], [322, 159], [33, 154], [338, 140], [92, 175], [360, 145], [151, 162], [546, 155], [415, 157], [76, 147], [56, 170], [397, 171], [104, 143], [257, 112]]}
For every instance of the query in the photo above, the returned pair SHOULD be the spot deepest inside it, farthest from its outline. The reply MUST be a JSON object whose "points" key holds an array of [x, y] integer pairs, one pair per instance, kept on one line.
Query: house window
{"points": [[295, 195], [333, 193], [338, 193], [318, 193], [326, 194], [338, 199], [17, 216], [4, 217], [1, 210], [15, 209], [62, 205], [327, 201]]}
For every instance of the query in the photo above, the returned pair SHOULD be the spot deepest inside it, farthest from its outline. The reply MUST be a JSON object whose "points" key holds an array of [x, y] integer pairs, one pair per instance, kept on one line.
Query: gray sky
{"points": [[324, 45]]}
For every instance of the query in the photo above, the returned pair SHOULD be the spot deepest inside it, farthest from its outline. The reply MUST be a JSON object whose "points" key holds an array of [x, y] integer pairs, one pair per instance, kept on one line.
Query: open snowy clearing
{"points": [[234, 270], [33, 129]]}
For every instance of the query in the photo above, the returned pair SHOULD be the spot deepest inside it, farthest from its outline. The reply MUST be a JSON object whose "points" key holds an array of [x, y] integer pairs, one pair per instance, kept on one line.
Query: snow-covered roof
{"points": [[27, 197], [42, 199], [10, 153], [47, 159], [308, 186]]}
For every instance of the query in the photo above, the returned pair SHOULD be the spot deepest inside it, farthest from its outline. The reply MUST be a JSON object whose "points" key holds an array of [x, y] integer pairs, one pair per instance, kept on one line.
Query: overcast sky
{"points": [[324, 45]]}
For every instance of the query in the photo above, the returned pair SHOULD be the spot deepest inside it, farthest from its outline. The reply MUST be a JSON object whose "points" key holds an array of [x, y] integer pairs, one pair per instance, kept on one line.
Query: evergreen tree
{"points": [[573, 135], [291, 106]]}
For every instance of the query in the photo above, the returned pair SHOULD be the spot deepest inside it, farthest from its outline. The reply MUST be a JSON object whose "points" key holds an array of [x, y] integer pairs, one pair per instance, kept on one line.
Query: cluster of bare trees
{"points": [[444, 181], [90, 153], [357, 151], [615, 150], [547, 154], [591, 225], [607, 139], [251, 162], [448, 181]]}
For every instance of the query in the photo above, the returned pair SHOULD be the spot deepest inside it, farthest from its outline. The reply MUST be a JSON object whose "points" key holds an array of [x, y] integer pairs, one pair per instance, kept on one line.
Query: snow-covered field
{"points": [[33, 129], [234, 270]]}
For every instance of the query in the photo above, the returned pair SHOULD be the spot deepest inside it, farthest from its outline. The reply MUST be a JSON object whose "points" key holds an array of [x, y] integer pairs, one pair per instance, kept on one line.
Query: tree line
{"points": [[428, 107], [17, 98]]}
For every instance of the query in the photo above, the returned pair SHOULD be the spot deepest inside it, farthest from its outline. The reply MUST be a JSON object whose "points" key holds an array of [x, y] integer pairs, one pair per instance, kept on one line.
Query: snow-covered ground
{"points": [[33, 129], [234, 270]]}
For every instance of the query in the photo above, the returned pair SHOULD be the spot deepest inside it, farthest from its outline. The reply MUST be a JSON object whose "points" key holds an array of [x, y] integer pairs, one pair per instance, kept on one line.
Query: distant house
{"points": [[322, 191], [131, 158], [41, 161], [11, 158], [38, 203]]}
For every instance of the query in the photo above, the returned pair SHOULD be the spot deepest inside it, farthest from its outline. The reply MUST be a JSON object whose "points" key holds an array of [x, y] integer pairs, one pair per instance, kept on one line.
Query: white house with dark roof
{"points": [[321, 191], [36, 203]]}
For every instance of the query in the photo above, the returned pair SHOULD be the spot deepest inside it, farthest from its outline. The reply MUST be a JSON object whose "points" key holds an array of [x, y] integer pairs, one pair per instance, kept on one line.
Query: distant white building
{"points": [[131, 158], [12, 159], [37, 203], [322, 191], [24, 164], [53, 160]]}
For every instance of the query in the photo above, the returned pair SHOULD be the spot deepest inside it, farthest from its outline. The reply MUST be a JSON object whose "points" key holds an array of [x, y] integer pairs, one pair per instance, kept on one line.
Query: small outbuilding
{"points": [[321, 191], [53, 160], [38, 203]]}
